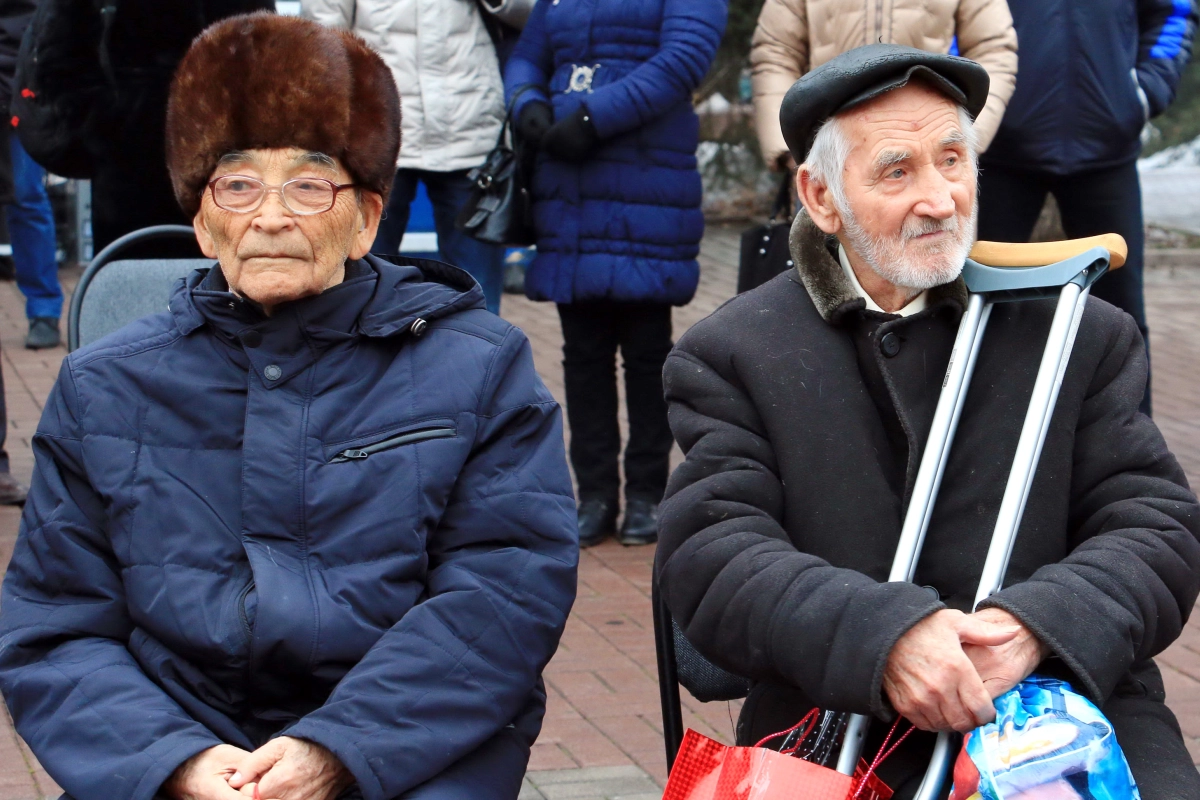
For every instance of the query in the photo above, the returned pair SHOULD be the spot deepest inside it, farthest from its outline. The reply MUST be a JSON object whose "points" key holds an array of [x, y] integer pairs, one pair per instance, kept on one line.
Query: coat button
{"points": [[272, 372], [933, 592], [251, 338], [889, 345], [418, 327]]}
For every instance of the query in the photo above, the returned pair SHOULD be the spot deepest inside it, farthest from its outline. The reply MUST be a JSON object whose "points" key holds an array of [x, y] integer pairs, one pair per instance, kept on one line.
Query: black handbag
{"points": [[500, 208], [765, 252]]}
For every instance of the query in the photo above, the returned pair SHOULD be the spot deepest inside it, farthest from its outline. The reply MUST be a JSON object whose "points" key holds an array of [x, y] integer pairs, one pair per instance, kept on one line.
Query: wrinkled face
{"points": [[272, 255], [910, 187]]}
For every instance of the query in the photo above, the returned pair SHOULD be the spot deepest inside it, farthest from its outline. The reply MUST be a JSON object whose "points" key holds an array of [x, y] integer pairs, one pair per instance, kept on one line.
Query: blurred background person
{"points": [[446, 68], [14, 16], [794, 36], [1092, 74], [605, 89], [130, 187], [31, 229], [135, 45], [27, 209]]}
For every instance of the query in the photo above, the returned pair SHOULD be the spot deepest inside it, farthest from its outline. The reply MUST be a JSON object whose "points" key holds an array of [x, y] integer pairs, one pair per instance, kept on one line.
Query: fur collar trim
{"points": [[818, 270]]}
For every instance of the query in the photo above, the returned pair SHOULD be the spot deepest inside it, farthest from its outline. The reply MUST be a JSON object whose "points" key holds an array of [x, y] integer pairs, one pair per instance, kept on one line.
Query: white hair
{"points": [[826, 161]]}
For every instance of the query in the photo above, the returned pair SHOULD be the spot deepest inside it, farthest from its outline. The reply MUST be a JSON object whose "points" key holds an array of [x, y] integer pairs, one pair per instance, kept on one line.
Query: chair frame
{"points": [[108, 255], [668, 675]]}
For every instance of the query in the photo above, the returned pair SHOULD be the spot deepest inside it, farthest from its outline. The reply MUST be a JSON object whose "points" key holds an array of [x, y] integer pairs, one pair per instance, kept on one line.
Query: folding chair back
{"points": [[679, 663], [114, 292]]}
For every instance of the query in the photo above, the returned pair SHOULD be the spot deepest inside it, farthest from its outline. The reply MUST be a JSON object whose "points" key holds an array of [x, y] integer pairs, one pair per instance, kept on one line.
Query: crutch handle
{"points": [[1040, 254]]}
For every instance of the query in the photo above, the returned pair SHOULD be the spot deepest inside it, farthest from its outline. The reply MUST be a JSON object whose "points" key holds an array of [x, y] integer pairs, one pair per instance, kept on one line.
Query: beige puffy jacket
{"points": [[795, 36], [444, 63]]}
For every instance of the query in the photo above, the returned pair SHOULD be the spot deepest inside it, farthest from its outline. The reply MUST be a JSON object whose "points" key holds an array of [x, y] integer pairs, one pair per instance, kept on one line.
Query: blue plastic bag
{"points": [[1046, 743]]}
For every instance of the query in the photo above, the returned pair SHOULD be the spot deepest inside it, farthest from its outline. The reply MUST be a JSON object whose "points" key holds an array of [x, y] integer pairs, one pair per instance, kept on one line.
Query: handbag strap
{"points": [[508, 112], [783, 198]]}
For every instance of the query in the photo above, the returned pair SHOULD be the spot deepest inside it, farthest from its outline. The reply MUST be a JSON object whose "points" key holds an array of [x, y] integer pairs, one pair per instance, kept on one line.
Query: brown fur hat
{"points": [[267, 81]]}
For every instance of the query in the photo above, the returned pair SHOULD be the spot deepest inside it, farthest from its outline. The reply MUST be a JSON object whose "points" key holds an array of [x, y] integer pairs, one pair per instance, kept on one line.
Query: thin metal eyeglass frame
{"points": [[267, 189]]}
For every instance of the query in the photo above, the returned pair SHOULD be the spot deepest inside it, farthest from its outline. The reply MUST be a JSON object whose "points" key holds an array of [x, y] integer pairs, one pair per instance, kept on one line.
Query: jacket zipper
{"points": [[354, 453]]}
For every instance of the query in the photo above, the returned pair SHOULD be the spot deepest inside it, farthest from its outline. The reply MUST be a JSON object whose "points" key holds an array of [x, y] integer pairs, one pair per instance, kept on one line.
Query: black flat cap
{"points": [[863, 74]]}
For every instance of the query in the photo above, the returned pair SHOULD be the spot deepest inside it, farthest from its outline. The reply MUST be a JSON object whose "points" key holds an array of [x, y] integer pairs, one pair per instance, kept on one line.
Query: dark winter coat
{"points": [[625, 224], [14, 19], [1092, 74], [145, 41], [351, 522], [802, 440]]}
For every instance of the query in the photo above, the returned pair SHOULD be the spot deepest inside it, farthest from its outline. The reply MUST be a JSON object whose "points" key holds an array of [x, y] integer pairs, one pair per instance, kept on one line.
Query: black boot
{"points": [[640, 525], [597, 520], [43, 333], [12, 492]]}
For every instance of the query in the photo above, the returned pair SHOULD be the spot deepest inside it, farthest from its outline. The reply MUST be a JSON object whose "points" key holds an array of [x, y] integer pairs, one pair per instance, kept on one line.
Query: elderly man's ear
{"points": [[208, 245], [370, 212], [817, 201]]}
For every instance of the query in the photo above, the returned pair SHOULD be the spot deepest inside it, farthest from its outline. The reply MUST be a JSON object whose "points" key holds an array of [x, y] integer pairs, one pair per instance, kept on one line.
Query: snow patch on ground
{"points": [[1171, 187]]}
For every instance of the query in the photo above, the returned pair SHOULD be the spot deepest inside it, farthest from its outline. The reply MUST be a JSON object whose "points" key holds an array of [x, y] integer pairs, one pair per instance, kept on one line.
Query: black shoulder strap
{"points": [[504, 37], [108, 13]]}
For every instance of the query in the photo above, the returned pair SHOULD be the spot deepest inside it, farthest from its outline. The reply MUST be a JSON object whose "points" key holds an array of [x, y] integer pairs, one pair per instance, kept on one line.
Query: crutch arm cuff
{"points": [[1040, 254]]}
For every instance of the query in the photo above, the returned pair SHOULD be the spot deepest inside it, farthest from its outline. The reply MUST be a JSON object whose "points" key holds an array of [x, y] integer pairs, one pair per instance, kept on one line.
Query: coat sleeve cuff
{"points": [[865, 627], [165, 757], [335, 741], [1055, 619], [912, 607]]}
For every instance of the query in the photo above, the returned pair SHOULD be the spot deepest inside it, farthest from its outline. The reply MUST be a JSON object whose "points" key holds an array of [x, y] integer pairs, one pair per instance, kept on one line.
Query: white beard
{"points": [[893, 257]]}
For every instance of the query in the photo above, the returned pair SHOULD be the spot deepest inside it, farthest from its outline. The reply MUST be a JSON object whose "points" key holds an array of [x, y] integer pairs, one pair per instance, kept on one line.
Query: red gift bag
{"points": [[705, 769]]}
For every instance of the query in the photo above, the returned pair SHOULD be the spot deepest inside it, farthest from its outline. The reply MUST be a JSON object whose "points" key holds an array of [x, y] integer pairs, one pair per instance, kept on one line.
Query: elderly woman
{"points": [[309, 533]]}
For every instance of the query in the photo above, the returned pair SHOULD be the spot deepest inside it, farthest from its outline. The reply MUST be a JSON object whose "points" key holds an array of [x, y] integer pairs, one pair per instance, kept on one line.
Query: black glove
{"points": [[534, 120], [572, 138]]}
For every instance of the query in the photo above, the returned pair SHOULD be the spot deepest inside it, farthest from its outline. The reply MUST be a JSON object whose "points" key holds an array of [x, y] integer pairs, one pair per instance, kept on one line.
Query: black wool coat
{"points": [[802, 441]]}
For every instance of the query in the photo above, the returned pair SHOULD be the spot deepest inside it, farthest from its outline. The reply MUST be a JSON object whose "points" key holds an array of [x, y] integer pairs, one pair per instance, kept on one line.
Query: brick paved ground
{"points": [[603, 731]]}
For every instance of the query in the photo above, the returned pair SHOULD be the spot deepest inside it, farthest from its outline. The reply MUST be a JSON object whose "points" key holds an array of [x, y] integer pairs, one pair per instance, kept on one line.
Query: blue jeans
{"points": [[31, 227], [448, 191]]}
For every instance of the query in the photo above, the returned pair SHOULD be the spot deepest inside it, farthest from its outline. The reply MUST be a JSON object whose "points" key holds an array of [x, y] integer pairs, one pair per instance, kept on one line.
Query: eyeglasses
{"points": [[301, 196]]}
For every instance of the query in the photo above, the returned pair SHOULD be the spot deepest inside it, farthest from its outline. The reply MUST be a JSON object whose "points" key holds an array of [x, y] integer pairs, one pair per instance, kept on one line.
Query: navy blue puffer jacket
{"points": [[625, 224], [351, 522], [1092, 73]]}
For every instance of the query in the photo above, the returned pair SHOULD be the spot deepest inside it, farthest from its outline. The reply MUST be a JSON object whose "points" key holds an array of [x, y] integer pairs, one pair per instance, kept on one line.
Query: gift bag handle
{"points": [[809, 722]]}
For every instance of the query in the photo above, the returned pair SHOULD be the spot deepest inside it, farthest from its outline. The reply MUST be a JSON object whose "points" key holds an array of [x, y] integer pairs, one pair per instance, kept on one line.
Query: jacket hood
{"points": [[405, 290], [822, 276]]}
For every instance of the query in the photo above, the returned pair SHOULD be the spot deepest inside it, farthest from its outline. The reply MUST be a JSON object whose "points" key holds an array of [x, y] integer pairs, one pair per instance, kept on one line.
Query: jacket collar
{"points": [[381, 297], [832, 293]]}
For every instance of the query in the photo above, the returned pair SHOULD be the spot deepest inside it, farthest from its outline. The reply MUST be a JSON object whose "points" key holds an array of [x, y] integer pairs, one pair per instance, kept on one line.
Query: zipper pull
{"points": [[346, 455]]}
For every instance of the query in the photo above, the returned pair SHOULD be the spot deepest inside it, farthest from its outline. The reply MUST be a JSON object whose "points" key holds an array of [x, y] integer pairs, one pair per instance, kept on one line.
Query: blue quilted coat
{"points": [[351, 522], [624, 224]]}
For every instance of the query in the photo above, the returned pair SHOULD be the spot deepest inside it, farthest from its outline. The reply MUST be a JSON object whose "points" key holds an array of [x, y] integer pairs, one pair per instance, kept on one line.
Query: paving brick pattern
{"points": [[602, 738]]}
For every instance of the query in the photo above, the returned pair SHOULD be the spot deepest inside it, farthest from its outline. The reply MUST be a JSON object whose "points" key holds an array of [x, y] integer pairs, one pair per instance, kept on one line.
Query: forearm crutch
{"points": [[995, 273]]}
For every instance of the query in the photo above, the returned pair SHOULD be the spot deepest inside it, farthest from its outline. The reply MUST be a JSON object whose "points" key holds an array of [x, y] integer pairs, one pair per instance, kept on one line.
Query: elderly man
{"points": [[803, 406], [309, 533]]}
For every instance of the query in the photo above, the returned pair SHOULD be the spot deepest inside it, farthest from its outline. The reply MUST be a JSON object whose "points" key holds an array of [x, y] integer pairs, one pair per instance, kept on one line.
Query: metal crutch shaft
{"points": [[1079, 271], [929, 477], [1049, 381], [1029, 448]]}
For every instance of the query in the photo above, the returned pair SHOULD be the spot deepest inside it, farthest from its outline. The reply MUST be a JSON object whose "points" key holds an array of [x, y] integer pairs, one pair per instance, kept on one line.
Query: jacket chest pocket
{"points": [[368, 446]]}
